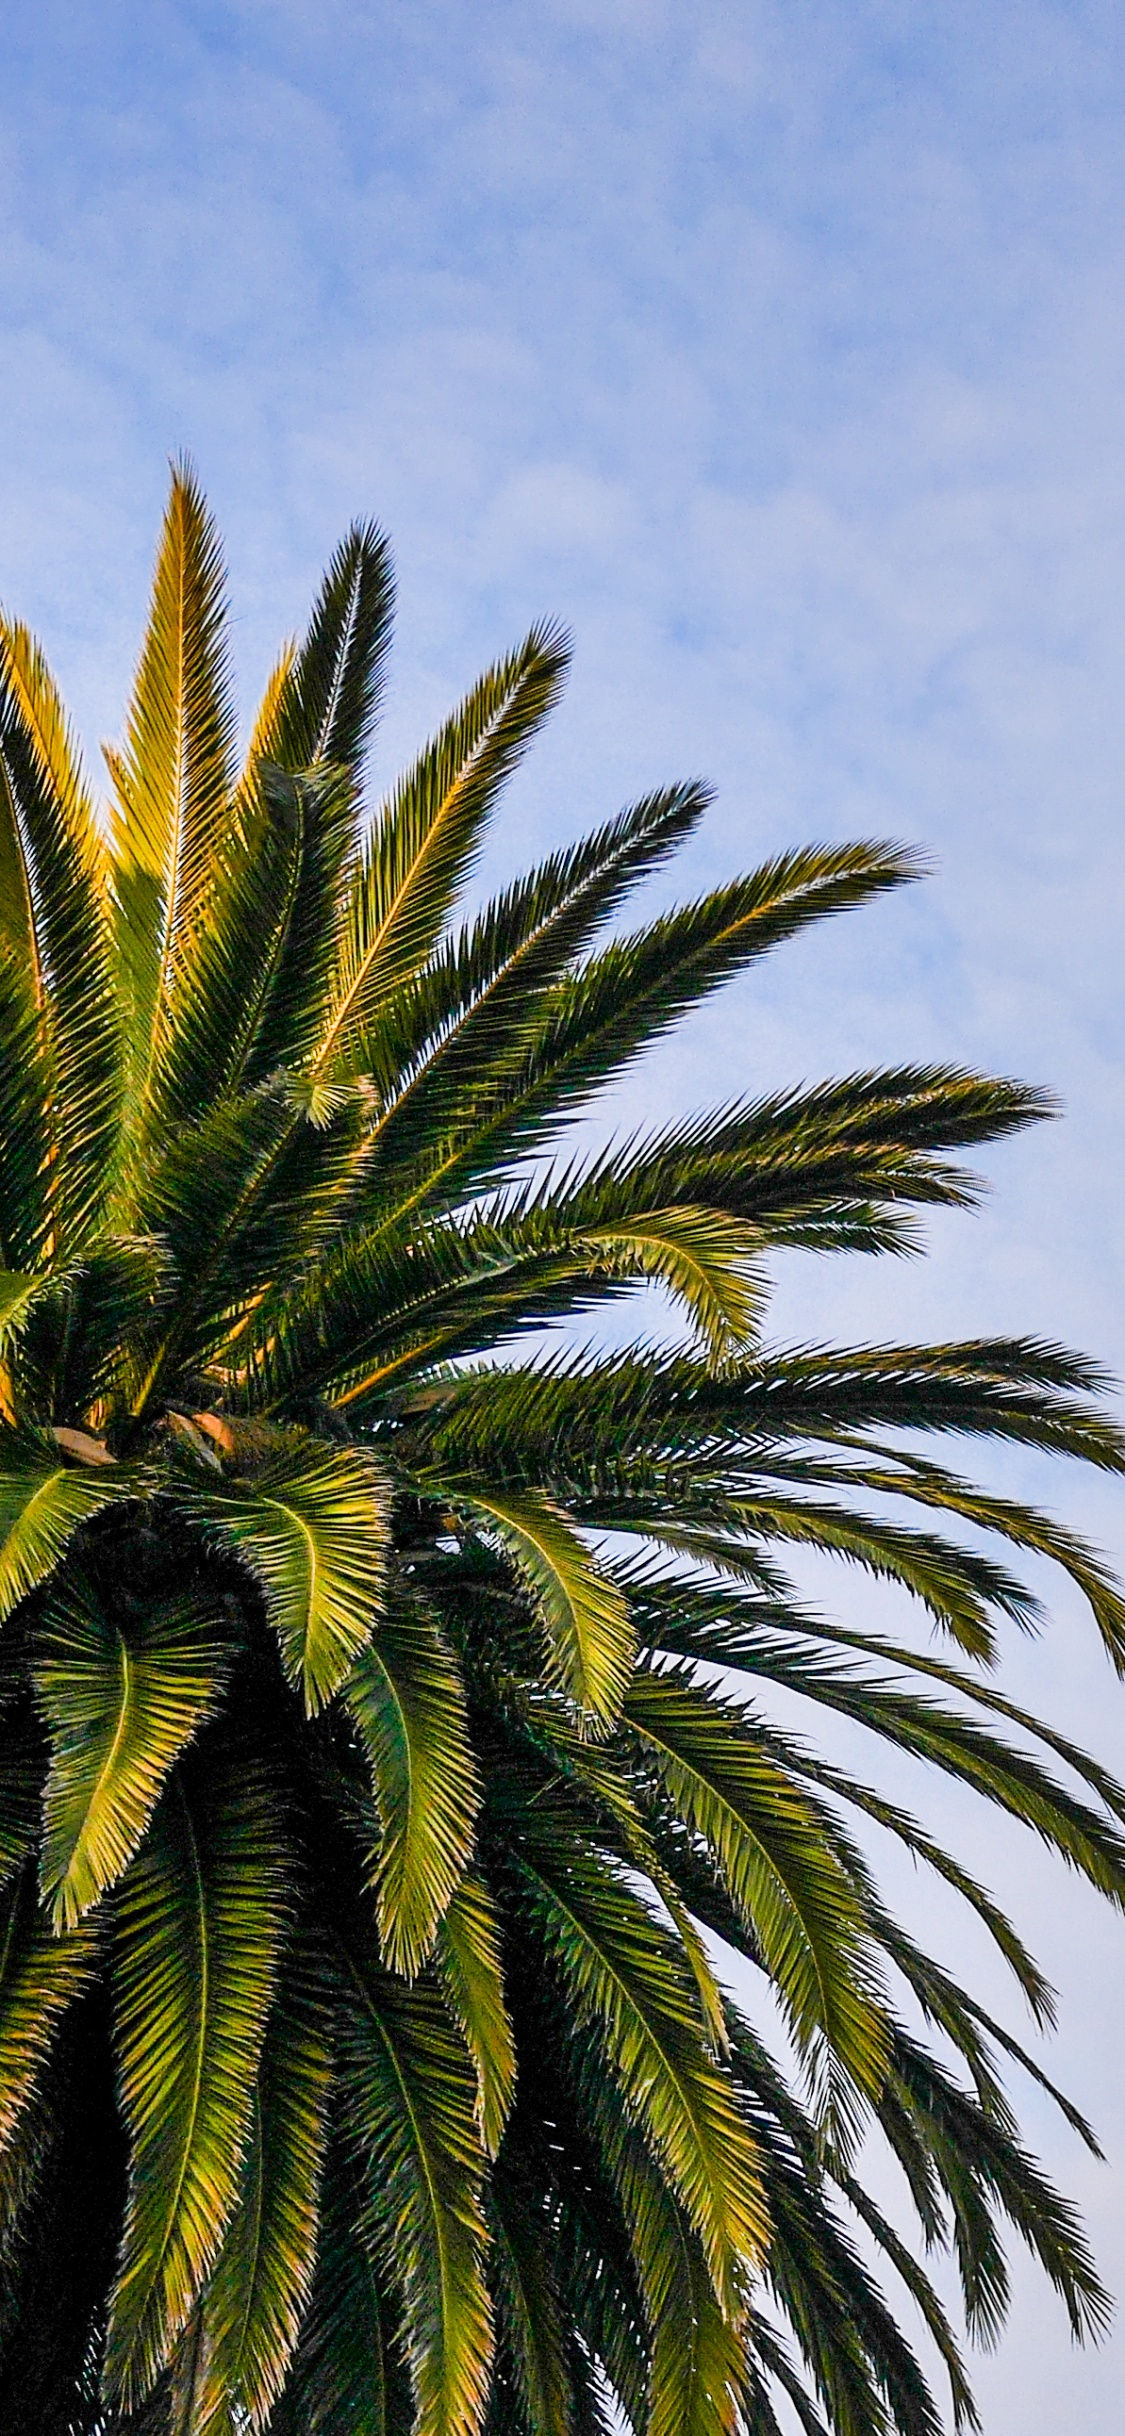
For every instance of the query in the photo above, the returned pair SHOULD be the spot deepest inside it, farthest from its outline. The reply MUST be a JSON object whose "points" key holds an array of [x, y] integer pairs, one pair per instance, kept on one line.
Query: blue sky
{"points": [[780, 349]]}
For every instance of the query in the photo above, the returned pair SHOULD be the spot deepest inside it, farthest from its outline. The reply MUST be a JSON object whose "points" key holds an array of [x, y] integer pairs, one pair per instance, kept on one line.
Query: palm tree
{"points": [[386, 1790]]}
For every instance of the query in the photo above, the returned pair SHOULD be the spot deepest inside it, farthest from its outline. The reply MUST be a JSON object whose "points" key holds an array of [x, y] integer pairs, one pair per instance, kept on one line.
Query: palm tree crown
{"points": [[388, 1772]]}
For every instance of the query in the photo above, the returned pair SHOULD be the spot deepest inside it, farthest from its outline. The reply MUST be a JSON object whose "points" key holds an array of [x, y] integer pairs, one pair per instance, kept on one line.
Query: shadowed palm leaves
{"points": [[388, 1755]]}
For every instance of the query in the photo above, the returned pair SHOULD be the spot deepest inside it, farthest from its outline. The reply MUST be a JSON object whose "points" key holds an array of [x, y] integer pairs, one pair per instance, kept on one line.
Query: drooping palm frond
{"points": [[408, 2098], [390, 1780], [122, 1696], [259, 2296], [199, 1928], [311, 1527], [407, 1699]]}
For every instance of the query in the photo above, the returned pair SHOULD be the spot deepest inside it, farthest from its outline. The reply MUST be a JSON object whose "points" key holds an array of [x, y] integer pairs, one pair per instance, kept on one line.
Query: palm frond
{"points": [[704, 1257], [200, 1916], [980, 2169], [468, 1961], [780, 1870], [627, 1987], [311, 1528], [40, 1977], [1016, 1389], [54, 926], [172, 777], [346, 2379], [440, 1045], [295, 983], [406, 1696], [409, 2100], [530, 2308], [22, 1765], [260, 2292], [324, 698], [697, 2349], [586, 1619], [425, 840], [25, 1112], [42, 1504], [122, 1694], [590, 1025]]}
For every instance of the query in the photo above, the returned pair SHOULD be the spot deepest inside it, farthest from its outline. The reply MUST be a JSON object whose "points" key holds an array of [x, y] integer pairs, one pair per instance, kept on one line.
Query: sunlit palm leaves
{"points": [[390, 1780]]}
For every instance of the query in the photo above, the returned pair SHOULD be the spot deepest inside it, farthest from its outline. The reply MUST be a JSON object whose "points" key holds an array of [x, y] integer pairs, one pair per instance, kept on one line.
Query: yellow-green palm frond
{"points": [[347, 2372], [121, 1695], [469, 1964], [709, 1261], [172, 778], [426, 839], [311, 1528], [782, 1873], [585, 1618], [43, 1502], [54, 927], [40, 1977], [640, 2006], [409, 2111], [259, 2296], [200, 1917], [406, 1696]]}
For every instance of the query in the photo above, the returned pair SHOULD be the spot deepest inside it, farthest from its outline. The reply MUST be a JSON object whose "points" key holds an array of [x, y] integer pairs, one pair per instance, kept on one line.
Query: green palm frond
{"points": [[172, 776], [200, 1916], [55, 2273], [703, 1257], [781, 1872], [311, 1528], [260, 2292], [346, 2379], [531, 2315], [585, 1618], [42, 1504], [732, 1628], [469, 1965], [591, 1024], [697, 2349], [810, 1166], [22, 1761], [426, 838], [40, 1977], [929, 1484], [54, 925], [408, 1702], [959, 1586], [923, 2108], [294, 990], [25, 1111], [327, 693], [626, 1984], [116, 1292], [19, 1294], [121, 1695], [442, 1046], [409, 2100]]}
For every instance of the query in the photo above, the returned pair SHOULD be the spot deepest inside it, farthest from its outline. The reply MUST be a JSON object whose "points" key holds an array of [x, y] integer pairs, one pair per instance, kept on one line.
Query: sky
{"points": [[778, 347]]}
